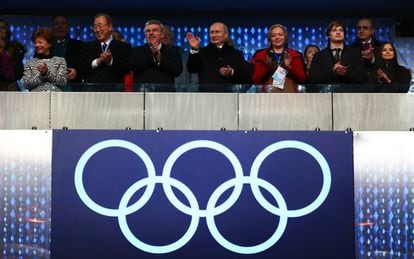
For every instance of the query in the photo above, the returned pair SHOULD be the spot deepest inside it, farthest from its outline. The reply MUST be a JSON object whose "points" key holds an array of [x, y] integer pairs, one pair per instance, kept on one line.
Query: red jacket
{"points": [[262, 73]]}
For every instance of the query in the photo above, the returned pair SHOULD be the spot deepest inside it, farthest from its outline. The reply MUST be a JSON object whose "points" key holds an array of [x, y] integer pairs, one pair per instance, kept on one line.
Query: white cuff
{"points": [[94, 63], [194, 51]]}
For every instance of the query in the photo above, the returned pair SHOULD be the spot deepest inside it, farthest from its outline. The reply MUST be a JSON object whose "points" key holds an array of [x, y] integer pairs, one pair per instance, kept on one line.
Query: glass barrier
{"points": [[230, 88], [234, 107]]}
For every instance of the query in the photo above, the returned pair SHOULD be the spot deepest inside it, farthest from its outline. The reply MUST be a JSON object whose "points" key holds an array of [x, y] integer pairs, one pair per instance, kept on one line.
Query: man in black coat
{"points": [[219, 65], [105, 60], [367, 44], [66, 47], [337, 64], [156, 63]]}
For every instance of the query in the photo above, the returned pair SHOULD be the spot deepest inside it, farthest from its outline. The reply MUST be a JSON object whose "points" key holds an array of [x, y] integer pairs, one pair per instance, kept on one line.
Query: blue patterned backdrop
{"points": [[249, 34]]}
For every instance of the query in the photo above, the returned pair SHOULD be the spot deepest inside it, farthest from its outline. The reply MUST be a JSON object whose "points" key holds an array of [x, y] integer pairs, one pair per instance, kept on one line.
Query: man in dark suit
{"points": [[219, 65], [105, 60], [156, 63], [66, 47], [338, 63], [367, 44]]}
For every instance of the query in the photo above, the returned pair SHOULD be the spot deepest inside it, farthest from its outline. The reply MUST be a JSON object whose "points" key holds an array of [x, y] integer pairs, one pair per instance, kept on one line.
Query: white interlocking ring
{"points": [[193, 209]]}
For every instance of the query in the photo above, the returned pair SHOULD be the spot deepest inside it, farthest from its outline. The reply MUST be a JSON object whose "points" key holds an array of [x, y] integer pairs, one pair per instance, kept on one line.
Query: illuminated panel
{"points": [[25, 170], [202, 224], [384, 189], [384, 194]]}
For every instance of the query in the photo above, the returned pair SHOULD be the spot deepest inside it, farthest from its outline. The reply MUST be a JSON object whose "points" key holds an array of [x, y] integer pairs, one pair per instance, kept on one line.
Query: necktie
{"points": [[61, 44], [365, 45], [337, 56], [104, 47]]}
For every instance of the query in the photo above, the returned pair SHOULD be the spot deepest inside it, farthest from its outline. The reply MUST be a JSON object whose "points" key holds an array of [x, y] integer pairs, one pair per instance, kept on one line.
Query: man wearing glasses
{"points": [[105, 60], [366, 43]]}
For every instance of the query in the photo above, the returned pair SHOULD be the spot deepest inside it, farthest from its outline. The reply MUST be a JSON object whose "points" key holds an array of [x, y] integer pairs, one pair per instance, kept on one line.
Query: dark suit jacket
{"points": [[105, 73], [208, 62], [369, 66], [73, 55], [147, 70], [375, 43], [321, 70]]}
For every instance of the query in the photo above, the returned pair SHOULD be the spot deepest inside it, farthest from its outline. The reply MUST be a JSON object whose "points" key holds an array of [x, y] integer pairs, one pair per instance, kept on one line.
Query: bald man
{"points": [[219, 65]]}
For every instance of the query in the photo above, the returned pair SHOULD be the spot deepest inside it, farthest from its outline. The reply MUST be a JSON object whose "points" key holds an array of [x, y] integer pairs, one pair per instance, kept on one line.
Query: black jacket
{"points": [[208, 62], [321, 70], [369, 66], [73, 55], [105, 73], [147, 70]]}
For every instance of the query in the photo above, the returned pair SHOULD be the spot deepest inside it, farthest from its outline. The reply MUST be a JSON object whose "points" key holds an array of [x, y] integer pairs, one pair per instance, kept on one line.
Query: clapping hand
{"points": [[105, 57], [382, 76], [155, 48], [287, 60], [270, 61], [340, 69], [71, 73], [226, 71], [368, 53], [42, 68]]}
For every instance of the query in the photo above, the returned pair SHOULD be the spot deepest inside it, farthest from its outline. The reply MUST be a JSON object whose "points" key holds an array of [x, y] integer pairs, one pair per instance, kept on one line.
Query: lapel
{"points": [[346, 56], [97, 47], [329, 58], [113, 45]]}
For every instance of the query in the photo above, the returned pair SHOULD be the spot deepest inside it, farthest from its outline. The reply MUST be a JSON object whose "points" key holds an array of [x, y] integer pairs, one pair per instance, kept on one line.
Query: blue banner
{"points": [[202, 194]]}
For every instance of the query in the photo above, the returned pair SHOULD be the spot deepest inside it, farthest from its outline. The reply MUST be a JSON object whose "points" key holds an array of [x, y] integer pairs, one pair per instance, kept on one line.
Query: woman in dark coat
{"points": [[392, 76]]}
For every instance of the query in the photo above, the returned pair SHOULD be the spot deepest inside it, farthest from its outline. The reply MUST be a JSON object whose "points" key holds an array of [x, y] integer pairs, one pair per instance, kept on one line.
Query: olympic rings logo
{"points": [[193, 209]]}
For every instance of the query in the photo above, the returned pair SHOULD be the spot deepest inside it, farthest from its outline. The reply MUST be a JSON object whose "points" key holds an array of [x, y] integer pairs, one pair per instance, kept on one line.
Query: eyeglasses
{"points": [[99, 26]]}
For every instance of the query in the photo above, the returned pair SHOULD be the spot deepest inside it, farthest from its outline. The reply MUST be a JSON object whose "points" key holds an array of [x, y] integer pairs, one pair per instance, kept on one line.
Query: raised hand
{"points": [[194, 41]]}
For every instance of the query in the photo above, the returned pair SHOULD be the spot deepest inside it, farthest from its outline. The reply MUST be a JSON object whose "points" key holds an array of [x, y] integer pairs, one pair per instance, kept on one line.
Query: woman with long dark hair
{"points": [[392, 76]]}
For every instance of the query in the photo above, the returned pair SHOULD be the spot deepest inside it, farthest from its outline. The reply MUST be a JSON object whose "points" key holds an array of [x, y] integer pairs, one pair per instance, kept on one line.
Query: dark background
{"points": [[400, 10], [180, 6]]}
